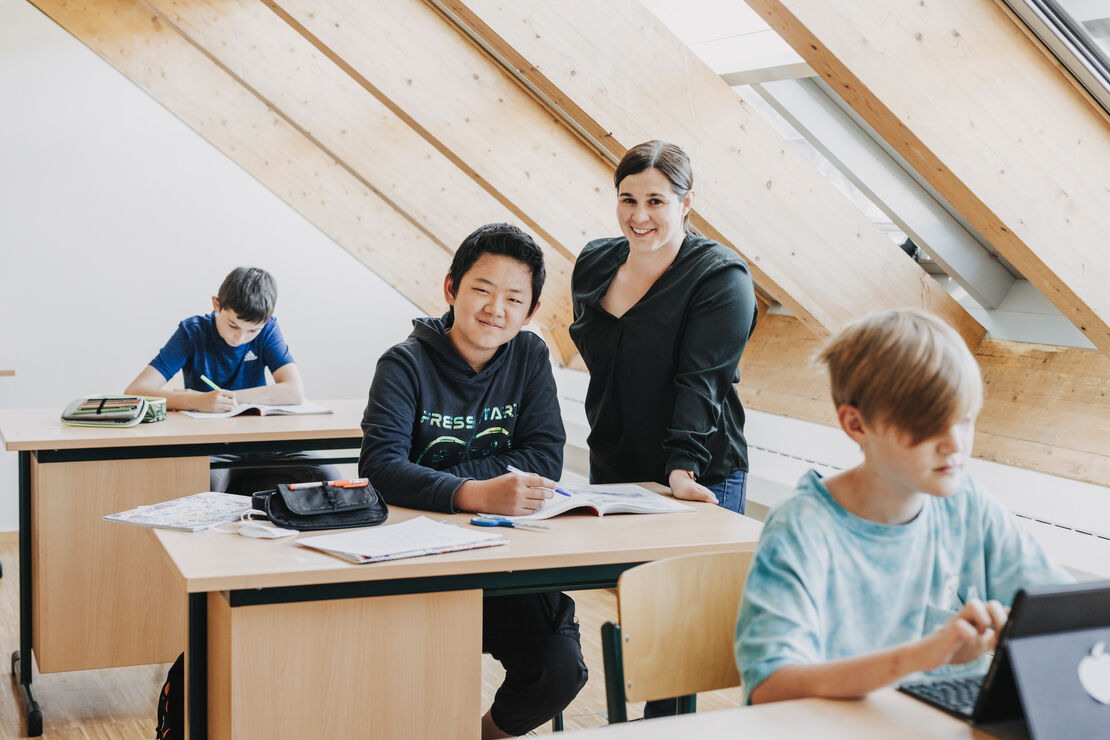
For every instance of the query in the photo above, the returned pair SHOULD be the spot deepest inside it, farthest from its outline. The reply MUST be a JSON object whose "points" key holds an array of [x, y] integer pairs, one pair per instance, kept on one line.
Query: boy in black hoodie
{"points": [[450, 407]]}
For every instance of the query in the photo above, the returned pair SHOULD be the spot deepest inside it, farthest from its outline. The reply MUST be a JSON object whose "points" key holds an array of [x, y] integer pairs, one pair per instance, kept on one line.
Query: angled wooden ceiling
{"points": [[983, 111], [624, 78], [397, 126]]}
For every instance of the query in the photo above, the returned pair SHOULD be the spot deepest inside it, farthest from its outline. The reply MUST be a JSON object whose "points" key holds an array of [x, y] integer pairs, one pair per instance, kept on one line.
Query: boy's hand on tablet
{"points": [[966, 636], [511, 494]]}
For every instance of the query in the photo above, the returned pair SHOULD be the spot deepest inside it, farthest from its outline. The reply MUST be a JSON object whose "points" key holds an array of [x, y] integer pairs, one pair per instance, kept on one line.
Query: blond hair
{"points": [[905, 368]]}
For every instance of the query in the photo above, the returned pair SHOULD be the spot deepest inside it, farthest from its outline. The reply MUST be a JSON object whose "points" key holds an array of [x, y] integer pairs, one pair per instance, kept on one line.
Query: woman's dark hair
{"points": [[503, 239], [250, 292], [667, 158]]}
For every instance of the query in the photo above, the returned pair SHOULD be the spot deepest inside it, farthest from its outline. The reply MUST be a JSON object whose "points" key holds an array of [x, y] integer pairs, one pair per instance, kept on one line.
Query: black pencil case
{"points": [[322, 505]]}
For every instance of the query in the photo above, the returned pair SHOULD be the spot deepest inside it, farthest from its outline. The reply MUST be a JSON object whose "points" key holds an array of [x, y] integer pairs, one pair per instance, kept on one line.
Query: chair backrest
{"points": [[677, 624]]}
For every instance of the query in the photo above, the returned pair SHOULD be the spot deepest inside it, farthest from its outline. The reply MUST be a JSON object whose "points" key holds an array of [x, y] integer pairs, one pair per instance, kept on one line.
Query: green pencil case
{"points": [[155, 409]]}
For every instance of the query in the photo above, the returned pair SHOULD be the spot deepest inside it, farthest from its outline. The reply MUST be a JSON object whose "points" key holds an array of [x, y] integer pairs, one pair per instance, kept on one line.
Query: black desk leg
{"points": [[21, 659], [196, 666]]}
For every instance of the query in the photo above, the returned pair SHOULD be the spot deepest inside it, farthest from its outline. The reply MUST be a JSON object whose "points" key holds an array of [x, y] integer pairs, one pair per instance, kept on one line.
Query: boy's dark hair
{"points": [[503, 239], [250, 292]]}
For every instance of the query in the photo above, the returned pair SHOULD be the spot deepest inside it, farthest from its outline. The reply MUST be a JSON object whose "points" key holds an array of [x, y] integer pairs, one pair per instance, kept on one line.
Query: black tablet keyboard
{"points": [[954, 695]]}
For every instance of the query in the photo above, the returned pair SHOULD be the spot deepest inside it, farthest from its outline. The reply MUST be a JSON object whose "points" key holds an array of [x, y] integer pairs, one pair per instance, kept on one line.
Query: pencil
{"points": [[211, 385], [518, 471]]}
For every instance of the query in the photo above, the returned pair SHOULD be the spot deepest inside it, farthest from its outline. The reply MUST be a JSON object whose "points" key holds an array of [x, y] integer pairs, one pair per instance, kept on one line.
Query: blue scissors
{"points": [[500, 521]]}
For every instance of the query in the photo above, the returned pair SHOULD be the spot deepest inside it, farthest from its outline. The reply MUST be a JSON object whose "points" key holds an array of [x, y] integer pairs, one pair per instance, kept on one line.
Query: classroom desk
{"points": [[883, 715], [92, 593], [289, 642]]}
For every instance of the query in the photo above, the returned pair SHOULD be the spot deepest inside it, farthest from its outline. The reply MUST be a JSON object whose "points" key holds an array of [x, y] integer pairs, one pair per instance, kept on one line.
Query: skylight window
{"points": [[1077, 32]]}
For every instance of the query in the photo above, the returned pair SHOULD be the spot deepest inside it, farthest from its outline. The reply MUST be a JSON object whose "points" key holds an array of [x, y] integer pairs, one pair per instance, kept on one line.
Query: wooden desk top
{"points": [[41, 429], [883, 715], [216, 561]]}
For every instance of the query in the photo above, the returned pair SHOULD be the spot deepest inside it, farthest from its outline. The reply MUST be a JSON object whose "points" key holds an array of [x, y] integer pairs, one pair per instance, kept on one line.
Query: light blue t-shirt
{"points": [[826, 584]]}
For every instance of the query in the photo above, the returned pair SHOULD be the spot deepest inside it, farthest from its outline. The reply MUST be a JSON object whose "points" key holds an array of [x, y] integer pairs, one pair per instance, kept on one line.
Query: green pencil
{"points": [[211, 385]]}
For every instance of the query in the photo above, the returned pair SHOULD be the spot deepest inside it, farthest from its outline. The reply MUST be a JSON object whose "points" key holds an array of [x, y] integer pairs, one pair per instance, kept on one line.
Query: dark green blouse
{"points": [[661, 394]]}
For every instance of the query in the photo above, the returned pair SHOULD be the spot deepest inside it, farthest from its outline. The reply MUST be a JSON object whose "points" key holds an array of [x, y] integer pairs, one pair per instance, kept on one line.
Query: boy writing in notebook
{"points": [[450, 408], [232, 346], [902, 564]]}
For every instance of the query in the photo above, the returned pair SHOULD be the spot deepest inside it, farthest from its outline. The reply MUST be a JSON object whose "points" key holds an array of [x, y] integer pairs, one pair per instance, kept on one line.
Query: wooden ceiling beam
{"points": [[984, 113], [621, 77], [467, 107], [205, 97], [284, 70]]}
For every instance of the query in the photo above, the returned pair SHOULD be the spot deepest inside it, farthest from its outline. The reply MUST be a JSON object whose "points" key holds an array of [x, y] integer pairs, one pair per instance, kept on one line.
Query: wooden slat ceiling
{"points": [[625, 78], [263, 142], [1045, 408], [983, 112], [387, 126]]}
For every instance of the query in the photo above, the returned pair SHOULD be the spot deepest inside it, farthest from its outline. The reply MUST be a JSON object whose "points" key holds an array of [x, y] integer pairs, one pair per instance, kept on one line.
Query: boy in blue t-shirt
{"points": [[902, 564], [232, 347]]}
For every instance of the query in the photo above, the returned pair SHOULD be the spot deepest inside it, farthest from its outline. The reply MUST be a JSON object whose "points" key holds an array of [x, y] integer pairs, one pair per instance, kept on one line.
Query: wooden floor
{"points": [[120, 702]]}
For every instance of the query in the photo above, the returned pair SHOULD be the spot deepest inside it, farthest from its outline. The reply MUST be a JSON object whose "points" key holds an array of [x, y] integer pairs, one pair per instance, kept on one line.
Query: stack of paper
{"points": [[409, 539]]}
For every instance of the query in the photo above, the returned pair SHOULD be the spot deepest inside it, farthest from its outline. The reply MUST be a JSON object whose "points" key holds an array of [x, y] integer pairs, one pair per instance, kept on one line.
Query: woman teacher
{"points": [[661, 317]]}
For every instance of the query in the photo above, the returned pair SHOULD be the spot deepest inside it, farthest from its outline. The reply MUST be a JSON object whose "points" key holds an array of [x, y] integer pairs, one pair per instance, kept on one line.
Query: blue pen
{"points": [[518, 471], [488, 520]]}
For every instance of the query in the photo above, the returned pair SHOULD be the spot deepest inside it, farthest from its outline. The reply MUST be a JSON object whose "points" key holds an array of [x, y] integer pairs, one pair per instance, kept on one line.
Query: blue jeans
{"points": [[732, 494]]}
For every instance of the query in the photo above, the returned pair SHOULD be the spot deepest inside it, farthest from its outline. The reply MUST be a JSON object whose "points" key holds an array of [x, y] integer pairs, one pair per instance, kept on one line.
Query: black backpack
{"points": [[171, 704]]}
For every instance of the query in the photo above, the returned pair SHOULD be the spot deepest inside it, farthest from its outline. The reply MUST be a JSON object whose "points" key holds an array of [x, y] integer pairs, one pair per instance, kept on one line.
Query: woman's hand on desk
{"points": [[683, 486], [510, 494]]}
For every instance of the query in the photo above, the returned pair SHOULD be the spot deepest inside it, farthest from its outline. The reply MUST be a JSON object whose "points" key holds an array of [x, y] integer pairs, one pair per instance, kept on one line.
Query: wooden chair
{"points": [[676, 630]]}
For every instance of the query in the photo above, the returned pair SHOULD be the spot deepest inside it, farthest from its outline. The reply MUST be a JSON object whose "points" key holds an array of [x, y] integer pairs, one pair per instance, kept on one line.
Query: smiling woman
{"points": [[661, 319]]}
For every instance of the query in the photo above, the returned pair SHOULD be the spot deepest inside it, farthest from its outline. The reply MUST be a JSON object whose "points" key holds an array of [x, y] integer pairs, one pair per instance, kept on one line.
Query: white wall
{"points": [[101, 185]]}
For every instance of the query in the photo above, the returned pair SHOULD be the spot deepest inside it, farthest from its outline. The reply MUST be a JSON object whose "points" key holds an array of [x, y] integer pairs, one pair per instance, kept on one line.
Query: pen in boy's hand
{"points": [[518, 471], [210, 384]]}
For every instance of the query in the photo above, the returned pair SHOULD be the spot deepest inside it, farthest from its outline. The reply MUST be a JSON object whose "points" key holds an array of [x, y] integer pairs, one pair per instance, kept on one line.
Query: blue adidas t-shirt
{"points": [[197, 348], [826, 584]]}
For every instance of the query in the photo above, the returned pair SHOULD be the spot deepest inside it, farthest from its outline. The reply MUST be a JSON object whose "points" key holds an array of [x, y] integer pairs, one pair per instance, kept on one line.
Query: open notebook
{"points": [[417, 536], [625, 498], [261, 409]]}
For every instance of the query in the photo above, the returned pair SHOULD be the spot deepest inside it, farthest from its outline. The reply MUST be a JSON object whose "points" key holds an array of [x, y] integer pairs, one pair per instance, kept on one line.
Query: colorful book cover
{"points": [[188, 513]]}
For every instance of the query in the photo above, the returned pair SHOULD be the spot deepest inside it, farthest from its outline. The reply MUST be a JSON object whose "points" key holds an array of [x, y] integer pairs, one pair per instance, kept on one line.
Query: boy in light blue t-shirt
{"points": [[902, 564]]}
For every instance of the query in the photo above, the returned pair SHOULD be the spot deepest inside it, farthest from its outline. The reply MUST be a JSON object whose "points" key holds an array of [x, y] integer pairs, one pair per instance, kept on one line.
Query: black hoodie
{"points": [[432, 423]]}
